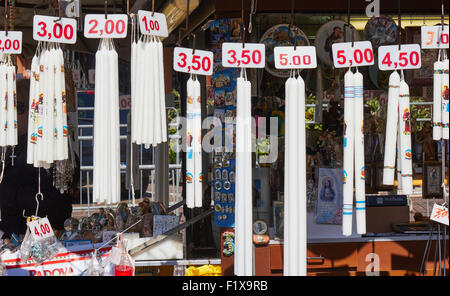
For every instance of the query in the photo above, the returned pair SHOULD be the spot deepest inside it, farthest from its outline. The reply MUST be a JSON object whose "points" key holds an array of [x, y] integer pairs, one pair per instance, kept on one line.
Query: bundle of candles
{"points": [[8, 103], [106, 125], [354, 154], [243, 258], [294, 261], [398, 135], [47, 121], [441, 99], [148, 103], [194, 144]]}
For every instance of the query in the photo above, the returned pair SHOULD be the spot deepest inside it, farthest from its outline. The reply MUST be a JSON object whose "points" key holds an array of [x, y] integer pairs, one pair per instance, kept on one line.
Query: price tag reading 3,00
{"points": [[97, 26], [11, 44], [360, 54], [53, 29], [41, 229], [435, 37], [199, 62], [392, 58], [234, 55], [303, 57]]}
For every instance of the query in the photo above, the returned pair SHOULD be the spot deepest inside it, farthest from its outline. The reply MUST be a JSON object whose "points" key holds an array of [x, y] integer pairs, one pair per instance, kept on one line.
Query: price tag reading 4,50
{"points": [[155, 25], [234, 55], [435, 37], [97, 26], [392, 58], [41, 229], [199, 62], [303, 57], [11, 44], [360, 54], [439, 214], [53, 29]]}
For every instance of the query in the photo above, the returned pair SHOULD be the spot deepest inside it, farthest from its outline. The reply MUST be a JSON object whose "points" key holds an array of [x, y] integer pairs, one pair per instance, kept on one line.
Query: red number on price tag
{"points": [[97, 26], [53, 29], [304, 57], [11, 44], [199, 62], [40, 229], [234, 55], [155, 24], [360, 54], [434, 37], [439, 214], [391, 58]]}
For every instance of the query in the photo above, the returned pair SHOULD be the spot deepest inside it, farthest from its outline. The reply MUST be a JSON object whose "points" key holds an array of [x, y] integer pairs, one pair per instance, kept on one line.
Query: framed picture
{"points": [[330, 196], [278, 219], [432, 180], [379, 179]]}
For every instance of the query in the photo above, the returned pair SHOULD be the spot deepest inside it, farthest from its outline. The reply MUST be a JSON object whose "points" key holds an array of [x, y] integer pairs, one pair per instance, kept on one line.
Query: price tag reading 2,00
{"points": [[11, 44], [235, 55], [199, 62], [392, 57], [40, 229], [97, 26], [360, 54], [53, 29], [303, 57]]}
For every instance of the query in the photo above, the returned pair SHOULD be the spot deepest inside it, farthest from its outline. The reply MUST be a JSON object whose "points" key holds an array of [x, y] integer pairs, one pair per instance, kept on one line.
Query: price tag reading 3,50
{"points": [[360, 54], [234, 55], [40, 229], [303, 57], [199, 62], [97, 26], [439, 214], [11, 44], [433, 37], [155, 25], [53, 29], [392, 58]]}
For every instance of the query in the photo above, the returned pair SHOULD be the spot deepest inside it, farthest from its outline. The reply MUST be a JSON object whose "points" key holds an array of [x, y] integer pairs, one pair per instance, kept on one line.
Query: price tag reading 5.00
{"points": [[360, 54], [11, 44], [97, 26], [234, 55], [40, 229], [199, 62], [53, 29], [304, 57], [155, 25], [435, 37], [391, 58]]}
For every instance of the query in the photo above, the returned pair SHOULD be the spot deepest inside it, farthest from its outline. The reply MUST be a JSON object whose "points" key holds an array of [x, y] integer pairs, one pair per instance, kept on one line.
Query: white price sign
{"points": [[40, 229], [392, 58], [11, 44], [199, 62], [303, 57], [113, 26], [155, 25], [433, 37], [439, 214], [53, 29], [235, 55], [360, 54]]}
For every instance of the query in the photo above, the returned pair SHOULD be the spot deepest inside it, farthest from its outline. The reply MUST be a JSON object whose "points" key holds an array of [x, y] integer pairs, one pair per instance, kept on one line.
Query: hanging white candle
{"points": [[3, 105], [405, 139], [197, 144], [445, 101], [190, 162], [437, 101]]}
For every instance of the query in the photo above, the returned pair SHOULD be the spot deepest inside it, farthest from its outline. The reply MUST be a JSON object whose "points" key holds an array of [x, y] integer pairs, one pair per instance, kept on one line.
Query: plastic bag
{"points": [[40, 250], [126, 263], [95, 267]]}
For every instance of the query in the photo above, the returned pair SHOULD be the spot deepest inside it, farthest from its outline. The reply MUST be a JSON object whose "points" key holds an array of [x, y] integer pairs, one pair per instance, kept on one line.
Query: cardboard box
{"points": [[380, 219]]}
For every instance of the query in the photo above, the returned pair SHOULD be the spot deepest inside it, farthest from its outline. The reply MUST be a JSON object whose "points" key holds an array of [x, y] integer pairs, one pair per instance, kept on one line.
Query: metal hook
{"points": [[153, 7], [399, 26], [37, 202], [193, 42], [6, 18], [106, 9], [243, 24]]}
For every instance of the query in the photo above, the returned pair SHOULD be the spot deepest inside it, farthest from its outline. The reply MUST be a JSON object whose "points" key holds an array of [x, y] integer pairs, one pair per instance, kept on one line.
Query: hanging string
{"points": [[399, 26]]}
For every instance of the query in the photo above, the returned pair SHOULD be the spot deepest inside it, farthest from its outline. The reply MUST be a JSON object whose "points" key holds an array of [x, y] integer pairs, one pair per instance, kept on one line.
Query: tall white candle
{"points": [[445, 100], [3, 105], [190, 162], [197, 144], [405, 142], [437, 101]]}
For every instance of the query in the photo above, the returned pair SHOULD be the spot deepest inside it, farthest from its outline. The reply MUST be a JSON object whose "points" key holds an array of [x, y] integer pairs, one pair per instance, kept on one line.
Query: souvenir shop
{"points": [[239, 137]]}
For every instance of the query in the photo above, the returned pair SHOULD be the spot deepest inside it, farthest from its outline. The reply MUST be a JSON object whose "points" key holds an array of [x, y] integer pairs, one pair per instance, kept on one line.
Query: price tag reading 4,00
{"points": [[155, 24], [53, 29], [41, 229], [199, 62], [303, 57], [234, 55], [435, 37], [11, 44], [97, 26], [360, 54], [392, 58]]}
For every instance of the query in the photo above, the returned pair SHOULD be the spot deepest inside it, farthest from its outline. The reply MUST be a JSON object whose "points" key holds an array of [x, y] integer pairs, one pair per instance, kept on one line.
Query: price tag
{"points": [[200, 62], [53, 29], [235, 56], [435, 37], [391, 58], [304, 57], [116, 253], [97, 26], [155, 25], [439, 214], [11, 44], [360, 54], [40, 229]]}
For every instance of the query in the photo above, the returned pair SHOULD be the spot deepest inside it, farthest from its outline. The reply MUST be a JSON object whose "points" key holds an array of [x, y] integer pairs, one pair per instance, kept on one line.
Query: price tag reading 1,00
{"points": [[199, 62], [11, 44], [360, 54], [303, 57], [97, 26], [155, 24], [235, 55], [41, 229], [392, 58], [53, 29]]}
